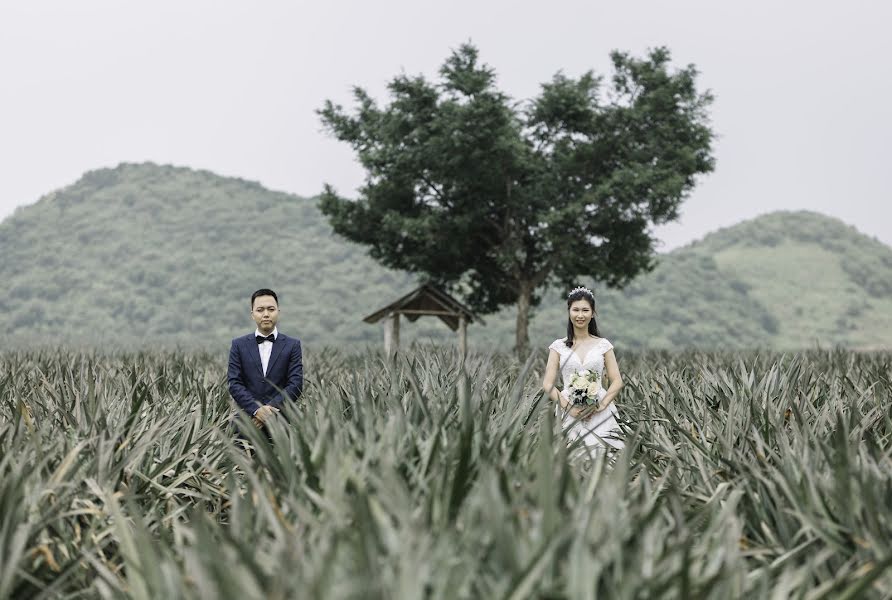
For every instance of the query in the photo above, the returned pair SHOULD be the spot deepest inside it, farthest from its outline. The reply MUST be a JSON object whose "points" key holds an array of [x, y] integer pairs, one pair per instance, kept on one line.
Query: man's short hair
{"points": [[263, 292]]}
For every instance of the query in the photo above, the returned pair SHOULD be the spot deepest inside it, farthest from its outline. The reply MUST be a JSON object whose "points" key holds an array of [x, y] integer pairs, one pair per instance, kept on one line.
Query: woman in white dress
{"points": [[584, 350]]}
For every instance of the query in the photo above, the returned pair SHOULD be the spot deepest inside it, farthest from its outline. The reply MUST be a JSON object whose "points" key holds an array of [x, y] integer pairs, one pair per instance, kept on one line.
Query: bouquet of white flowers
{"points": [[584, 388]]}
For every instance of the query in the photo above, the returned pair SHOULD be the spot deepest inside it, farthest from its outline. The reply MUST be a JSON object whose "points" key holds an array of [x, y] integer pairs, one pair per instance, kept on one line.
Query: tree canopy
{"points": [[498, 199]]}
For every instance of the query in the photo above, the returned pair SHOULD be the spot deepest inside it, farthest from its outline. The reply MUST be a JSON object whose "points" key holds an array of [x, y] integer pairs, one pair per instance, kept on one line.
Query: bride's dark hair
{"points": [[581, 294]]}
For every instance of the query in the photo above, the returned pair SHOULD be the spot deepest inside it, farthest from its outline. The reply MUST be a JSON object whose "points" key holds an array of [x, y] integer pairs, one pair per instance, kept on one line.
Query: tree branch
{"points": [[436, 192]]}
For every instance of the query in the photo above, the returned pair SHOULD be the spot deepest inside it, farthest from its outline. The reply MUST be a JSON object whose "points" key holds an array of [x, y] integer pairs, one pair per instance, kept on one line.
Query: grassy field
{"points": [[757, 476]]}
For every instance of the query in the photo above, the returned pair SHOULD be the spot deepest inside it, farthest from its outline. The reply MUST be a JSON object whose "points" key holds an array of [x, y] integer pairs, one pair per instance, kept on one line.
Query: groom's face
{"points": [[265, 313]]}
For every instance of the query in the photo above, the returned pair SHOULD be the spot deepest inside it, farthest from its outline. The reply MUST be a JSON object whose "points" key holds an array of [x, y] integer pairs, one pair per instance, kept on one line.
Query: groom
{"points": [[265, 368]]}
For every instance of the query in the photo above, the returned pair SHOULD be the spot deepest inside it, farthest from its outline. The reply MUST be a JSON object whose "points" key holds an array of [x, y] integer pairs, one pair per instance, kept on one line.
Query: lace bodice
{"points": [[571, 362]]}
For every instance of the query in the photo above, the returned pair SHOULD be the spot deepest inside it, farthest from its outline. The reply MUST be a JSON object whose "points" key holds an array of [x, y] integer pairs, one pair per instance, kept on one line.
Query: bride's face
{"points": [[580, 314]]}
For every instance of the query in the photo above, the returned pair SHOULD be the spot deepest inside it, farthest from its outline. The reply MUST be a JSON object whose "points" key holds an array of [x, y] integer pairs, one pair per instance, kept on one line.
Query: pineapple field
{"points": [[745, 475]]}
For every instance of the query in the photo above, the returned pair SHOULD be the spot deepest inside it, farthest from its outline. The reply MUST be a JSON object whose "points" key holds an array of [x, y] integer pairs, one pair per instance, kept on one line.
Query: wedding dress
{"points": [[602, 427]]}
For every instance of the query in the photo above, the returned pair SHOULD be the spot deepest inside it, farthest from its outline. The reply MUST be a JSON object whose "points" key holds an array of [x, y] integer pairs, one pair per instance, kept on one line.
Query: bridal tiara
{"points": [[582, 289]]}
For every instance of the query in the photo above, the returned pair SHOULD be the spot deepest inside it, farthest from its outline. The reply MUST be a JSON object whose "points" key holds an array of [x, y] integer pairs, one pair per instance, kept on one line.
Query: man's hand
{"points": [[263, 414]]}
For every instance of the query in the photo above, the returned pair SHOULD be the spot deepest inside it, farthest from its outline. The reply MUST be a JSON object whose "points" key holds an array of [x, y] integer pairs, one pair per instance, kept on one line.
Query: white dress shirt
{"points": [[266, 348]]}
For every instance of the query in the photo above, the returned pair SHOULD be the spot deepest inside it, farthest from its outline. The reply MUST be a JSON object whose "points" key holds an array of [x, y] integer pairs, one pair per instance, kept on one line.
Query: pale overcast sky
{"points": [[802, 89]]}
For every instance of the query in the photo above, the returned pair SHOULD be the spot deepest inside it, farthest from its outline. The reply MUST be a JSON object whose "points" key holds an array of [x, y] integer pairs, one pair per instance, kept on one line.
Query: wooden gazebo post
{"points": [[392, 333]]}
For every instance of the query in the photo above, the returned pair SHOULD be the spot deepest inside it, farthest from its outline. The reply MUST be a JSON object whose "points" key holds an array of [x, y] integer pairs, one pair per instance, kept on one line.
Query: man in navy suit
{"points": [[266, 367]]}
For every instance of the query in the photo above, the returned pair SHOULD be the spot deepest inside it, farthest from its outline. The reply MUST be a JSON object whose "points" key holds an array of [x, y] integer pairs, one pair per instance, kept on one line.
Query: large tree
{"points": [[499, 199]]}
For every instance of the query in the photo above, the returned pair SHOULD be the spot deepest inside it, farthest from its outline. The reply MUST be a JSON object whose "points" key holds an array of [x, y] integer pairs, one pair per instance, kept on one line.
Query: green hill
{"points": [[785, 280], [166, 255], [160, 255]]}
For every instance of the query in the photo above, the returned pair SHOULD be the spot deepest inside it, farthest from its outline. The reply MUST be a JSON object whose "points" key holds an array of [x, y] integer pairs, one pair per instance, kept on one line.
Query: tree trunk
{"points": [[522, 338], [462, 337]]}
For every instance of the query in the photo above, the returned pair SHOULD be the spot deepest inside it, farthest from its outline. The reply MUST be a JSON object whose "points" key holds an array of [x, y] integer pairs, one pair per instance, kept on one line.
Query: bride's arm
{"points": [[551, 368], [616, 380]]}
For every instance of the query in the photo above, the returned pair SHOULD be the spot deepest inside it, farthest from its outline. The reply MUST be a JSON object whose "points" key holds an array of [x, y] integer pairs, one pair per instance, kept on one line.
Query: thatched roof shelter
{"points": [[425, 300]]}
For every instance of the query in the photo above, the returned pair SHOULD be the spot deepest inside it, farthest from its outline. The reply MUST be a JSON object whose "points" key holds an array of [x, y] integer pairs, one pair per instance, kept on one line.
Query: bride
{"points": [[587, 410]]}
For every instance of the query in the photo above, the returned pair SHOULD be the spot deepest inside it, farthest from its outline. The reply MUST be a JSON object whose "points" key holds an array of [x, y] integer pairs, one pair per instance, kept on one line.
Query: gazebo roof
{"points": [[427, 300]]}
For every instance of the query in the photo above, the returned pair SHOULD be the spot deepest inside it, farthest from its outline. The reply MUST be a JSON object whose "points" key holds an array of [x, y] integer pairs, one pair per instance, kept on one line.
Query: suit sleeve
{"points": [[294, 385], [235, 377]]}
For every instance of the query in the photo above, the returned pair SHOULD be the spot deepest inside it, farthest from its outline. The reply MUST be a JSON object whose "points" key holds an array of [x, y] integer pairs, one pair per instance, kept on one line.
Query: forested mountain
{"points": [[167, 256]]}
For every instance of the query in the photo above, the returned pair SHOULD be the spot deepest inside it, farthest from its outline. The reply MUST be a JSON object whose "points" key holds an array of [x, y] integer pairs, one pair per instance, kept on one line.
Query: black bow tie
{"points": [[270, 338]]}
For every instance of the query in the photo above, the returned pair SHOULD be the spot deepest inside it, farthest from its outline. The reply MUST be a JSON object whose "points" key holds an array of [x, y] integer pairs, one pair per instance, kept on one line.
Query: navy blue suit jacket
{"points": [[285, 371]]}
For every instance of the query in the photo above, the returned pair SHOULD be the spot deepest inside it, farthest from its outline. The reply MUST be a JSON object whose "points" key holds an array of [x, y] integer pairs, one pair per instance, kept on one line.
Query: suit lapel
{"points": [[254, 352], [278, 346]]}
